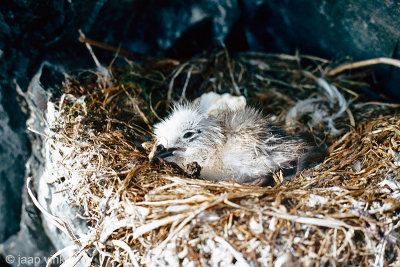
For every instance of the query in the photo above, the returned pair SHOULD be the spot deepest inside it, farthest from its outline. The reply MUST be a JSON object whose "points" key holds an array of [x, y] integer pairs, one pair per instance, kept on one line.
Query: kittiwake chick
{"points": [[240, 145]]}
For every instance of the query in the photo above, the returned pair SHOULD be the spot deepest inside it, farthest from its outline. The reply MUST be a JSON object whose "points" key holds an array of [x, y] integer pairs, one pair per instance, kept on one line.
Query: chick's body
{"points": [[240, 145]]}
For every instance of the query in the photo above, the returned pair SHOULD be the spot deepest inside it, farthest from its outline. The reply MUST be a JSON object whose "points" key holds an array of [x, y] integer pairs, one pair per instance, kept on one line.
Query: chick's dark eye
{"points": [[188, 134]]}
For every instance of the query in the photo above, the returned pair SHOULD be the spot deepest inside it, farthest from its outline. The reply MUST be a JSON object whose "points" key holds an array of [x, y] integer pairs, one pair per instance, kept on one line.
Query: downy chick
{"points": [[240, 145]]}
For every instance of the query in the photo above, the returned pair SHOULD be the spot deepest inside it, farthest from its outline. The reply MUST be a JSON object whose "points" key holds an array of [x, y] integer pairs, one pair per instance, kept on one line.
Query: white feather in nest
{"points": [[320, 108], [212, 103]]}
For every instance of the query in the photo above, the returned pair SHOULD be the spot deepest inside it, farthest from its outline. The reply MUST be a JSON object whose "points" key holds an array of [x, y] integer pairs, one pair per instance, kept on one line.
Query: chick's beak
{"points": [[161, 152]]}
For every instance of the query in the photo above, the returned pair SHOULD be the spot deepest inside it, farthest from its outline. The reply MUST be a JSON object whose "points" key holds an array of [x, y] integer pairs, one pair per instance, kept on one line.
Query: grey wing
{"points": [[272, 143], [262, 146]]}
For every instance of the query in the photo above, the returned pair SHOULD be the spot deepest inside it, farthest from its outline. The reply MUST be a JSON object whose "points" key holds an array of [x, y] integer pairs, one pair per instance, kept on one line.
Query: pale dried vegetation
{"points": [[344, 211]]}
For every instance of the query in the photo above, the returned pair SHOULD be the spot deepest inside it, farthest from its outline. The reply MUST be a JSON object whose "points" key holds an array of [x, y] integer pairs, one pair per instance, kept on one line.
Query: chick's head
{"points": [[187, 136]]}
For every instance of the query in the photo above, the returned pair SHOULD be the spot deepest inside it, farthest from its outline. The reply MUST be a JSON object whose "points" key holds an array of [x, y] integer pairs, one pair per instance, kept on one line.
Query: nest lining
{"points": [[346, 210]]}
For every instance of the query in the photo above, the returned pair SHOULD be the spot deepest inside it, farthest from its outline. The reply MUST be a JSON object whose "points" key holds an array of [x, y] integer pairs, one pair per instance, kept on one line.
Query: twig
{"points": [[152, 109], [88, 45], [390, 105], [49, 261], [363, 63], [324, 222], [137, 108], [186, 84], [237, 255], [60, 224], [228, 62], [145, 228], [125, 247], [114, 58], [351, 117], [128, 54], [283, 56], [171, 83]]}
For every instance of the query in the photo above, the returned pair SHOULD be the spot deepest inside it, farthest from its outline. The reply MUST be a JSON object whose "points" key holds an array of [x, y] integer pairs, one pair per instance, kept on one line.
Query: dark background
{"points": [[32, 32]]}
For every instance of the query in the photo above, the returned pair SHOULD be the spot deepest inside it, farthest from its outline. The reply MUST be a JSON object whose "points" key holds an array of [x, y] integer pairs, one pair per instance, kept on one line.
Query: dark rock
{"points": [[31, 243], [38, 238], [182, 28], [13, 154], [360, 29], [3, 262]]}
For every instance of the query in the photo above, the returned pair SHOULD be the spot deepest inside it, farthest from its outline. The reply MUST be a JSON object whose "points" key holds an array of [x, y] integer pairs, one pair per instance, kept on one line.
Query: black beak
{"points": [[161, 152]]}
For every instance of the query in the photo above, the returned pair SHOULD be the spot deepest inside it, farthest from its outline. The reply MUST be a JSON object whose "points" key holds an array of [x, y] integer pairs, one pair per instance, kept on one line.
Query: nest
{"points": [[344, 211]]}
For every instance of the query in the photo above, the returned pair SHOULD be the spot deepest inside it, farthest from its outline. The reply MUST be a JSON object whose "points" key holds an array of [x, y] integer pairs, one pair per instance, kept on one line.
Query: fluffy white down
{"points": [[239, 145]]}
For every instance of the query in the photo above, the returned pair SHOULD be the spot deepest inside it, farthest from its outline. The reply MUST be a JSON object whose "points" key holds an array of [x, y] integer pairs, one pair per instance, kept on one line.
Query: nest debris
{"points": [[345, 211]]}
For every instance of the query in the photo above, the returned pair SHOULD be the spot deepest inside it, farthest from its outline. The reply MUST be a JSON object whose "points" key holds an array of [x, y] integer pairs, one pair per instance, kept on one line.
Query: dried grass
{"points": [[345, 211]]}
